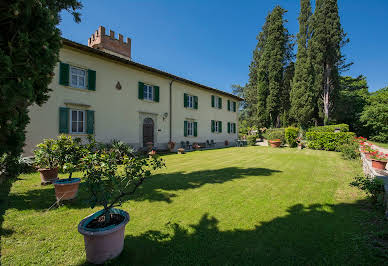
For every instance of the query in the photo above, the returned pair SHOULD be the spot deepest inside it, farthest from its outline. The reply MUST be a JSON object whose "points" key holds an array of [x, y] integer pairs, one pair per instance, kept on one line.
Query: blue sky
{"points": [[211, 42]]}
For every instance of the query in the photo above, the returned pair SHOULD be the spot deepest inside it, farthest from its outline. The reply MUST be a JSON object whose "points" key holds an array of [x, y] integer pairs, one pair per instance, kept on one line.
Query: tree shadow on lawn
{"points": [[44, 198], [5, 187], [342, 234]]}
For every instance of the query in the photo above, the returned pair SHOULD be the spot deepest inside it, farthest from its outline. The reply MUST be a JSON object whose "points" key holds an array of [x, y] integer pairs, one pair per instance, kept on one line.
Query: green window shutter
{"points": [[64, 74], [228, 105], [228, 127], [234, 127], [213, 126], [91, 80], [195, 102], [141, 90], [220, 126], [234, 106], [185, 100], [213, 101], [63, 120], [89, 122], [185, 129], [156, 90], [195, 129], [220, 103]]}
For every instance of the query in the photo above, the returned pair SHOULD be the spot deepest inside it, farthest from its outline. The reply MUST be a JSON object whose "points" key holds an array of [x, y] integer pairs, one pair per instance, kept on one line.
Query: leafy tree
{"points": [[302, 96], [375, 115], [29, 48], [327, 38], [276, 54], [352, 99]]}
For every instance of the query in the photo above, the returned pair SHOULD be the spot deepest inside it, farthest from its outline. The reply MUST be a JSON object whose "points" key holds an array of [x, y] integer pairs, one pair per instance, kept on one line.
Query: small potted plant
{"points": [[181, 150], [152, 153], [226, 143], [46, 159], [299, 142], [171, 146], [69, 157], [379, 160], [367, 149], [109, 185]]}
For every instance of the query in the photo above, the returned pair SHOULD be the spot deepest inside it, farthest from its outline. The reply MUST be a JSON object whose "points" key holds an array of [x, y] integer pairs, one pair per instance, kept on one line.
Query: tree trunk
{"points": [[326, 94]]}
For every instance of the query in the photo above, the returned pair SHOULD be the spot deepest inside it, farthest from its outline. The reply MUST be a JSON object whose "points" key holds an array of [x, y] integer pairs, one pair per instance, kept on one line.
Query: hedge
{"points": [[291, 133], [331, 128], [329, 141]]}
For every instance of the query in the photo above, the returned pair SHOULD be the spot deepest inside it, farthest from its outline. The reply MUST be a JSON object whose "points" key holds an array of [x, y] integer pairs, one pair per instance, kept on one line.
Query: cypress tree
{"points": [[275, 56], [302, 96], [287, 82], [325, 53]]}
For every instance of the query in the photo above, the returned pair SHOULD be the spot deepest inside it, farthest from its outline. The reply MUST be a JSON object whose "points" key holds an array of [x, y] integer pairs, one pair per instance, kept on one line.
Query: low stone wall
{"points": [[375, 173]]}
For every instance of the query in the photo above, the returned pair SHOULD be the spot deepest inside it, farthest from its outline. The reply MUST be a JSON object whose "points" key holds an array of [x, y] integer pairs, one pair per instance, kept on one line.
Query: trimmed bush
{"points": [[328, 141], [350, 150], [331, 128], [274, 133], [290, 134], [251, 140]]}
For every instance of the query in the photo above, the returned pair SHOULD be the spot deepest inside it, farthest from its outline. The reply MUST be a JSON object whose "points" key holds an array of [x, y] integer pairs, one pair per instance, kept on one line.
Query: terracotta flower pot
{"points": [[102, 244], [181, 151], [275, 143], [48, 175], [379, 164], [66, 189]]}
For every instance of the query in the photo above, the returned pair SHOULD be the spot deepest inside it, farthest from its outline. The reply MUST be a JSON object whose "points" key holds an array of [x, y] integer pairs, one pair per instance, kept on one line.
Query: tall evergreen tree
{"points": [[276, 53], [288, 75], [325, 52], [302, 96]]}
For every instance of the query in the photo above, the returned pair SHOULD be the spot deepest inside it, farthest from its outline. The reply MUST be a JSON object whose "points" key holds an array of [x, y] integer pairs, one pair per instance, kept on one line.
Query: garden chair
{"points": [[188, 145], [183, 145], [212, 143]]}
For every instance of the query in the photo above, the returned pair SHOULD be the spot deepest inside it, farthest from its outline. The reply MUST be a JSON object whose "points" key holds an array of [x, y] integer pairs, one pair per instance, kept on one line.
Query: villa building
{"points": [[97, 89]]}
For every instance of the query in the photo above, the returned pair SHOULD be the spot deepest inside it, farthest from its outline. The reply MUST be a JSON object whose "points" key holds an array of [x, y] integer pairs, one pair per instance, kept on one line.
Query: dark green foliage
{"points": [[302, 95], [375, 115], [26, 165], [29, 48], [251, 140], [324, 46], [69, 153], [374, 187], [352, 99], [290, 134], [350, 150], [328, 141], [286, 104], [47, 154], [331, 128]]}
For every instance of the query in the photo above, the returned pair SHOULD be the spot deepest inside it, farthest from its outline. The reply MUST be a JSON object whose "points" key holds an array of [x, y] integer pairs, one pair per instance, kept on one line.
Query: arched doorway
{"points": [[148, 130]]}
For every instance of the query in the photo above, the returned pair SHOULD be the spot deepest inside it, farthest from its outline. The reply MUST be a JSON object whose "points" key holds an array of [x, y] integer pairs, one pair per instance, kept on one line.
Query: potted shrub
{"points": [[171, 146], [275, 143], [152, 153], [276, 137], [300, 143], [46, 159], [226, 143], [109, 186], [69, 155], [196, 146], [181, 151], [379, 160]]}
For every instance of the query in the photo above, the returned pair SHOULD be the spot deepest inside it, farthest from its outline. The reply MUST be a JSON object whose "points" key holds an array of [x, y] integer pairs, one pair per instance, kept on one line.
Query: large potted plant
{"points": [[275, 137], [109, 185], [46, 159], [379, 160], [171, 146], [69, 156]]}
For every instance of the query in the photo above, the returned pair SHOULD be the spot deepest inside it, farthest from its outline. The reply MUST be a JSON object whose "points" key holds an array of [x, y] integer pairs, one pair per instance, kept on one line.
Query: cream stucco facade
{"points": [[119, 113]]}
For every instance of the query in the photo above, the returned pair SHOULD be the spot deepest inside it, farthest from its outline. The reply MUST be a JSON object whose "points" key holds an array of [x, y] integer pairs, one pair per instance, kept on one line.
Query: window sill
{"points": [[78, 89]]}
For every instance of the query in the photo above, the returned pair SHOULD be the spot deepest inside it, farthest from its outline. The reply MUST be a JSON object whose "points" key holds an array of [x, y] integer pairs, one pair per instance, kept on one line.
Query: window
{"points": [[216, 102], [77, 121], [77, 77], [148, 91], [190, 101], [190, 128], [231, 127], [216, 126]]}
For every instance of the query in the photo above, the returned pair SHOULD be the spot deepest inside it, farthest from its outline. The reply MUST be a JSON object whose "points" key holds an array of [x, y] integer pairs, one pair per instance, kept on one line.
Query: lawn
{"points": [[380, 144], [251, 205]]}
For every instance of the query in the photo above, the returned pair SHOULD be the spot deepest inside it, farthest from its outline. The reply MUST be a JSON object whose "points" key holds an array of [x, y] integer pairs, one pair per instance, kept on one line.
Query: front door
{"points": [[148, 131]]}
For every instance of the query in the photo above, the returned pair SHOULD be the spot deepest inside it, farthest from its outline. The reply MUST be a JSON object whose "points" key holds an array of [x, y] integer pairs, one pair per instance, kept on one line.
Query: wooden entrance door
{"points": [[148, 131]]}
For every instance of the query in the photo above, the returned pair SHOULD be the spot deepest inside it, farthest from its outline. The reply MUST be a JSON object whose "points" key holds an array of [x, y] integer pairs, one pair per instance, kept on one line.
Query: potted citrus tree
{"points": [[379, 160], [46, 159], [69, 156], [276, 138], [108, 186]]}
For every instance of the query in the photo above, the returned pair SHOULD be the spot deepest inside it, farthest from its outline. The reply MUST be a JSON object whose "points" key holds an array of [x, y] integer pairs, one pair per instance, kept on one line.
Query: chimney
{"points": [[109, 44]]}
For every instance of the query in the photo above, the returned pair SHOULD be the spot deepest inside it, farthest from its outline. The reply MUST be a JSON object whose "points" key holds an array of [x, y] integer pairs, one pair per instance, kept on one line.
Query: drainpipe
{"points": [[170, 131]]}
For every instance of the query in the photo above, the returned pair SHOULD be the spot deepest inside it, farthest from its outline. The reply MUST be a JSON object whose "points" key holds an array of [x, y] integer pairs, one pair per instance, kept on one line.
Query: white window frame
{"points": [[216, 126], [148, 92], [190, 128], [190, 101], [217, 102], [79, 77], [83, 122]]}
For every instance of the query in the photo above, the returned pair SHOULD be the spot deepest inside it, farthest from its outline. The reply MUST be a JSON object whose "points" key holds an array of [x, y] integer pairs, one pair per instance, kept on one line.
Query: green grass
{"points": [[380, 144], [251, 205]]}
